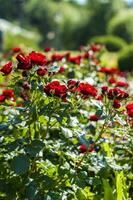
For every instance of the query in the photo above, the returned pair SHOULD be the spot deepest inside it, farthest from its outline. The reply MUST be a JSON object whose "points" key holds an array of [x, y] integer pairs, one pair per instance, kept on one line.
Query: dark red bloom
{"points": [[111, 80], [2, 98], [121, 84], [75, 59], [56, 89], [42, 71], [26, 86], [37, 58], [23, 62], [67, 55], [104, 89], [95, 47], [87, 55], [116, 93], [7, 68], [129, 108], [16, 49], [86, 89], [62, 69], [99, 97], [47, 49], [116, 103], [9, 93], [83, 148], [72, 85], [93, 118], [56, 57], [109, 70]]}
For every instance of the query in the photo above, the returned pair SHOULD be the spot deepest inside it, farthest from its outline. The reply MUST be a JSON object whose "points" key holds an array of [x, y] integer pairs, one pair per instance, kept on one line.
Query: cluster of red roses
{"points": [[57, 89], [26, 62]]}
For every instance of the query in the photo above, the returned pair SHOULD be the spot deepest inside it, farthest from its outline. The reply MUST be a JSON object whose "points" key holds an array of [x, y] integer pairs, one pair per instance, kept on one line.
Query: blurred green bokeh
{"points": [[66, 24]]}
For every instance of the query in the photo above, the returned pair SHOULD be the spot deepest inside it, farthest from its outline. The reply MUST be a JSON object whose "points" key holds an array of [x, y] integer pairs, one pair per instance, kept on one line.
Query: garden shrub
{"points": [[112, 43], [125, 59], [122, 25]]}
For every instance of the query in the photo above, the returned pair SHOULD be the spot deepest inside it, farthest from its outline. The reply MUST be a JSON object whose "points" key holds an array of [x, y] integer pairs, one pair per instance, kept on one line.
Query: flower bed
{"points": [[65, 127]]}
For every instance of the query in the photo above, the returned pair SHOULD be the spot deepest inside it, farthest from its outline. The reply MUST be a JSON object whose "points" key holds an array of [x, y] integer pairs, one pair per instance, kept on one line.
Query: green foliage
{"points": [[112, 43], [53, 18], [108, 192], [125, 59], [12, 40], [122, 25], [20, 164]]}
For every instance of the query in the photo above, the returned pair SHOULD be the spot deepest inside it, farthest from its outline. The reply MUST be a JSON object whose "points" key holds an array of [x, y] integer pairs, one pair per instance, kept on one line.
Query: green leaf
{"points": [[83, 140], [108, 193], [121, 186], [35, 147], [80, 194], [99, 112], [54, 69], [3, 127], [20, 164], [31, 190]]}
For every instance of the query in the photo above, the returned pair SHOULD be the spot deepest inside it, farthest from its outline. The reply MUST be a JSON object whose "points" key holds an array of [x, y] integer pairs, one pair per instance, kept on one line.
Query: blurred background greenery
{"points": [[67, 24]]}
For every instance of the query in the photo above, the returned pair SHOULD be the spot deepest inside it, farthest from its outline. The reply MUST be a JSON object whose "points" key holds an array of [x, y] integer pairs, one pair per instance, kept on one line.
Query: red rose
{"points": [[129, 108], [87, 90], [111, 80], [16, 49], [95, 47], [8, 94], [7, 68], [72, 85], [47, 49], [37, 58], [116, 93], [116, 103], [56, 89], [99, 97], [2, 98], [56, 57], [83, 148], [121, 84], [87, 55], [109, 70], [75, 59], [93, 118], [62, 69], [130, 113], [23, 62], [41, 71], [104, 89]]}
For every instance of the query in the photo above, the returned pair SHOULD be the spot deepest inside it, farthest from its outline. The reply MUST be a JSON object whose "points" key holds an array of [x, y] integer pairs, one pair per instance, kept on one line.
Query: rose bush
{"points": [[65, 130]]}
